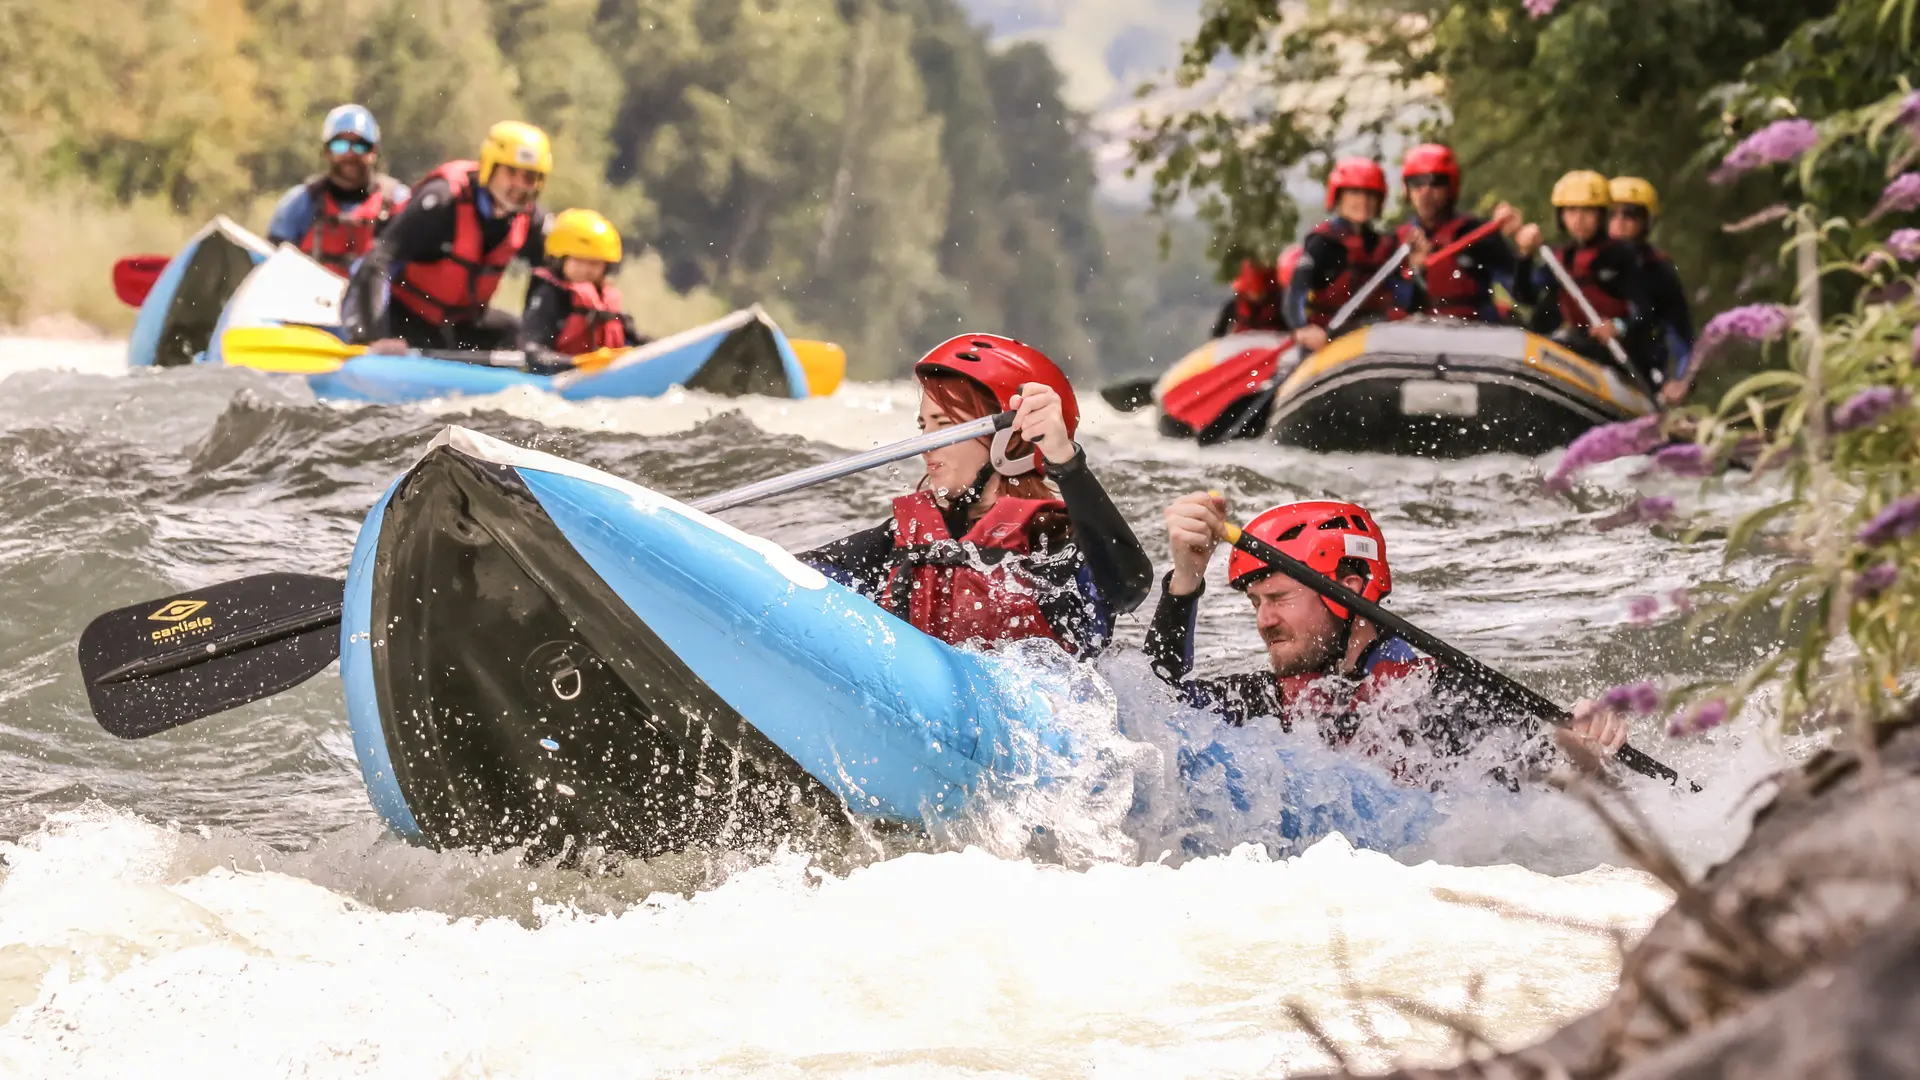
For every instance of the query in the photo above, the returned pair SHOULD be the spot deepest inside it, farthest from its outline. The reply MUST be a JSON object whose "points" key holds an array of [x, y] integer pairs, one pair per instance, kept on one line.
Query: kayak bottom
{"points": [[522, 702]]}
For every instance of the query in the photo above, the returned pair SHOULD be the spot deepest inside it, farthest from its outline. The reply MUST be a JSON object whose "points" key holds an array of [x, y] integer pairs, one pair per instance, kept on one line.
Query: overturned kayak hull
{"points": [[1432, 389], [743, 353], [539, 654], [177, 321]]}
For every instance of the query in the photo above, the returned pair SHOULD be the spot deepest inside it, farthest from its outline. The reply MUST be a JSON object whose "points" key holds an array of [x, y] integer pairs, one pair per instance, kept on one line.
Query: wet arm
{"points": [[416, 234], [860, 561], [1121, 569], [546, 309], [292, 217], [1321, 260]]}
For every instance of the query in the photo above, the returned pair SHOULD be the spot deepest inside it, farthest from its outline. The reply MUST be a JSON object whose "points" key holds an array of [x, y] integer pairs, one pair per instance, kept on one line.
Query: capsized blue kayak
{"points": [[176, 321], [743, 353]]}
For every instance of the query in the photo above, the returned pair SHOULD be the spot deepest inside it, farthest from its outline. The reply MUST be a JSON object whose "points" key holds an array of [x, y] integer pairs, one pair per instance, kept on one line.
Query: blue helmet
{"points": [[350, 120]]}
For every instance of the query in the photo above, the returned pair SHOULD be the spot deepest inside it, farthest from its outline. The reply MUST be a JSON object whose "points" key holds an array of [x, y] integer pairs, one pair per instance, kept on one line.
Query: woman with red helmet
{"points": [[1460, 285], [1309, 638], [1006, 538], [1343, 252]]}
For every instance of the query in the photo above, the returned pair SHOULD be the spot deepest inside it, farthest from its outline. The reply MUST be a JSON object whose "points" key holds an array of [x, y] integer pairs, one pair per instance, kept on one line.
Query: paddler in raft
{"points": [[426, 283], [1458, 285], [1630, 222], [1259, 293], [572, 305], [1324, 663], [335, 215], [1003, 539], [1607, 272], [1343, 252]]}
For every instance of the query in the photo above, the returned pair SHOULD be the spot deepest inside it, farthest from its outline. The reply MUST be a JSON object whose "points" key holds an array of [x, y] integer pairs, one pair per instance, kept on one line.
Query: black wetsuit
{"points": [[1103, 572], [423, 232], [1617, 269], [545, 312], [1668, 312]]}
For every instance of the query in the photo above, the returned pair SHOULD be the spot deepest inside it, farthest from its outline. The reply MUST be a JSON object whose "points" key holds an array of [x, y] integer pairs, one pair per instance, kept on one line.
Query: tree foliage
{"points": [[871, 169]]}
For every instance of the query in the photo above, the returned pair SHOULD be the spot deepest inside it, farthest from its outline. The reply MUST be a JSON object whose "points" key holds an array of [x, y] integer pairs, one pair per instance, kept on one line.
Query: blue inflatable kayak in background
{"points": [[743, 353], [176, 322], [539, 653]]}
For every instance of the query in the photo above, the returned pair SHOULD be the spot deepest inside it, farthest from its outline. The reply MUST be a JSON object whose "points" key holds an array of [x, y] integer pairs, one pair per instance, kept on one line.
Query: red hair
{"points": [[963, 399]]}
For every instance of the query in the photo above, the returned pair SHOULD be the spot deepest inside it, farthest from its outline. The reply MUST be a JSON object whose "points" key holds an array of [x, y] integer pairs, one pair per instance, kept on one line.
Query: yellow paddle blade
{"points": [[825, 364], [597, 359], [291, 350]]}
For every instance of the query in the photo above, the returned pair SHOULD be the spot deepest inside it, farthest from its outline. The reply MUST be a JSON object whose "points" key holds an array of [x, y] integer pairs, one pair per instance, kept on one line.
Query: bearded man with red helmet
{"points": [[1459, 284], [1342, 254], [1310, 639], [1005, 538]]}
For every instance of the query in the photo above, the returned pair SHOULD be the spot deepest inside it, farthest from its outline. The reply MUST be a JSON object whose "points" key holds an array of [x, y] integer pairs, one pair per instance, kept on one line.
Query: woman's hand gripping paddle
{"points": [[1507, 689], [163, 663]]}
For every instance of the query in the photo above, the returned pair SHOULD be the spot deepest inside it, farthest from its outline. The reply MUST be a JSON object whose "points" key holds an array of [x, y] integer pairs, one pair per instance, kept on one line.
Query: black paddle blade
{"points": [[1130, 395], [157, 665]]}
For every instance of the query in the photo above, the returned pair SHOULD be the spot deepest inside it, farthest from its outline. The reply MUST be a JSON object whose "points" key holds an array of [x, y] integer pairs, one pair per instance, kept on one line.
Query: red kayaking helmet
{"points": [[1431, 159], [1289, 259], [1319, 534], [1253, 280], [1355, 172], [1002, 365]]}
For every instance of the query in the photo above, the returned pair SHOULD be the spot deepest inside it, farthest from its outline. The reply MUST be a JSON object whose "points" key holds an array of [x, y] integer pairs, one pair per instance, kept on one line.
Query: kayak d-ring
{"points": [[559, 667], [570, 689]]}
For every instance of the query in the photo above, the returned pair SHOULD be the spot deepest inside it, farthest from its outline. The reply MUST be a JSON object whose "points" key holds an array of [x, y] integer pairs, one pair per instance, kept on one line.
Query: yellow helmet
{"points": [[522, 146], [1581, 187], [583, 234], [1634, 192]]}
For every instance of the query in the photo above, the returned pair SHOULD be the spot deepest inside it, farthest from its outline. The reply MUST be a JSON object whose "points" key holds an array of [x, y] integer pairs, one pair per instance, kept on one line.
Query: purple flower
{"points": [[1905, 243], [1540, 9], [1866, 408], [1681, 602], [1683, 459], [1916, 343], [1652, 509], [1875, 580], [1896, 522], [1751, 322], [1775, 144], [1642, 608], [1901, 196], [1910, 112], [1705, 716], [1605, 443], [1639, 697]]}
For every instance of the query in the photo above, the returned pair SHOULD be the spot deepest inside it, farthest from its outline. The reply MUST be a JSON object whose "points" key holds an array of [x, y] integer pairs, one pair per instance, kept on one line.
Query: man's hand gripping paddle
{"points": [[1509, 690], [163, 663]]}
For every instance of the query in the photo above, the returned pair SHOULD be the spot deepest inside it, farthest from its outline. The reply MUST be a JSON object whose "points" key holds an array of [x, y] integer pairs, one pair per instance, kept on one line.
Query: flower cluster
{"points": [[1869, 406], [1905, 244], [1705, 716], [1901, 196], [1683, 459], [1605, 443], [1896, 522], [1776, 144], [1751, 322], [1540, 9], [1641, 698], [1909, 114], [1875, 580]]}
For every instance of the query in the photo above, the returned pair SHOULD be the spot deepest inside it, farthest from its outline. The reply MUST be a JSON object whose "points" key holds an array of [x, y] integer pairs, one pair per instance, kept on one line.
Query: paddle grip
{"points": [[1519, 693]]}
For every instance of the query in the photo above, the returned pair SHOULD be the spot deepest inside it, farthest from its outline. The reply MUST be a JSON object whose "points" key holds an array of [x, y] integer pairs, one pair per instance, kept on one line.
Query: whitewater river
{"points": [[221, 901]]}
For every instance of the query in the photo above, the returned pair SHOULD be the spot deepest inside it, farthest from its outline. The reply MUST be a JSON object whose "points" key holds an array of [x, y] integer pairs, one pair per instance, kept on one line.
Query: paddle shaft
{"points": [[833, 470], [1360, 297], [1474, 237], [1586, 308], [1541, 706]]}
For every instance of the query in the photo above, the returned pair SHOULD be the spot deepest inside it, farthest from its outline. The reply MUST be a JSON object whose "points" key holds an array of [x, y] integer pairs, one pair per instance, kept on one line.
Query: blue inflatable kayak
{"points": [[743, 353], [535, 651], [177, 320]]}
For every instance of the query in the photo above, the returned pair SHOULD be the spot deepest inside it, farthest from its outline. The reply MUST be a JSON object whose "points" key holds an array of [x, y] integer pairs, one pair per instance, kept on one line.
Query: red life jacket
{"points": [[938, 586], [1362, 263], [1579, 262], [1339, 703], [1453, 290], [456, 287], [594, 322], [337, 237], [1257, 300]]}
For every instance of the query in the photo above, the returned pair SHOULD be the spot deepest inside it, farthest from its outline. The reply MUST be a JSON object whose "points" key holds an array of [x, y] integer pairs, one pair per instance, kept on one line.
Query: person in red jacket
{"points": [[1323, 662], [1343, 252], [334, 216], [572, 304], [1459, 285], [1258, 293], [1005, 538], [427, 282]]}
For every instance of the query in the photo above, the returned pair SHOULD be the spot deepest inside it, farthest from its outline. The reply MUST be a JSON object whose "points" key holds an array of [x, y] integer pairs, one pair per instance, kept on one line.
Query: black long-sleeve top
{"points": [[1103, 572], [422, 231], [547, 308]]}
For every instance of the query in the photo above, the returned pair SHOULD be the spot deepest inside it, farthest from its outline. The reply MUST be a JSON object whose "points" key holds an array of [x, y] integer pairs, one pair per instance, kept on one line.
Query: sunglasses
{"points": [[1424, 180], [346, 144]]}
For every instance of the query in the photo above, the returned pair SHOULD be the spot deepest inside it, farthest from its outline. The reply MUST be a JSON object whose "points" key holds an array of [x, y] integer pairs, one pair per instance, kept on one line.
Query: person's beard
{"points": [[1310, 655], [349, 174]]}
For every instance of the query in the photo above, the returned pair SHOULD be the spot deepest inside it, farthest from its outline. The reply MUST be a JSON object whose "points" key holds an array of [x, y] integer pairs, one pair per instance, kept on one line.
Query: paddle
{"points": [[133, 277], [307, 350], [1484, 230], [160, 664], [1593, 317], [1514, 692]]}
